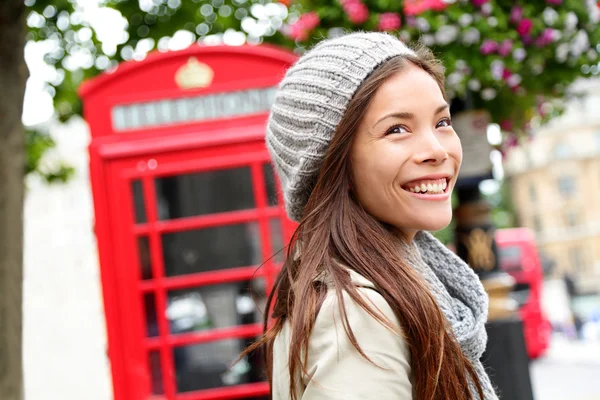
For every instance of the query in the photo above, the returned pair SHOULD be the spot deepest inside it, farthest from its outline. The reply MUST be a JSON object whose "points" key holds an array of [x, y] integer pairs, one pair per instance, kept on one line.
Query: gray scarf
{"points": [[460, 296]]}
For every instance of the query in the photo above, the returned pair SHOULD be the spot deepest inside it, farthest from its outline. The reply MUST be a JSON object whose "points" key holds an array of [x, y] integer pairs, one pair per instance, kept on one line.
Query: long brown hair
{"points": [[335, 227]]}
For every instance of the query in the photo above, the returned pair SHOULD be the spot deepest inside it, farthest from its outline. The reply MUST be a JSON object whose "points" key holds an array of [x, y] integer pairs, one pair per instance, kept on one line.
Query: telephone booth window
{"points": [[207, 193], [138, 199], [208, 307]]}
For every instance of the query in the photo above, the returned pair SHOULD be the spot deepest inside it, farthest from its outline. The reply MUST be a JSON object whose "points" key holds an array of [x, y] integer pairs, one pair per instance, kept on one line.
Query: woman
{"points": [[368, 305]]}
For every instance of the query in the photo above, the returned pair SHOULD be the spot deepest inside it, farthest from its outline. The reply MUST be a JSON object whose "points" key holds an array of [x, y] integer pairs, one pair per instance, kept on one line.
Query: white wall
{"points": [[64, 331]]}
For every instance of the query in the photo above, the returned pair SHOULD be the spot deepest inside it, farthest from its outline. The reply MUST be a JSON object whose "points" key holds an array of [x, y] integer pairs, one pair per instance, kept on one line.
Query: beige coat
{"points": [[336, 370]]}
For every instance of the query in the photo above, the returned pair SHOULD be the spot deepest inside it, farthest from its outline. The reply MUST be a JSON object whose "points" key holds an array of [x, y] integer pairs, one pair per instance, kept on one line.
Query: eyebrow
{"points": [[407, 115]]}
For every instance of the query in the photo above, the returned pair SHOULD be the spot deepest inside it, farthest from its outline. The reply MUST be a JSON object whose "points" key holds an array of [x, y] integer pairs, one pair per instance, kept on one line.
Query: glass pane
{"points": [[144, 257], [206, 365], [216, 306], [149, 110], [118, 118], [210, 249], [138, 202], [151, 315], [277, 240], [209, 307], [154, 365], [270, 184], [204, 193]]}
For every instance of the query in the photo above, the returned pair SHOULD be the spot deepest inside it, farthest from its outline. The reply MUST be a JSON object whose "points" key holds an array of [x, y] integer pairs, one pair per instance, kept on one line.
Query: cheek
{"points": [[370, 169], [367, 177], [454, 148], [376, 177]]}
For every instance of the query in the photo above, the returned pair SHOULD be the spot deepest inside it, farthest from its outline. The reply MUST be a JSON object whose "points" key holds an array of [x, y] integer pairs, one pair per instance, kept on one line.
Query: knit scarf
{"points": [[460, 296]]}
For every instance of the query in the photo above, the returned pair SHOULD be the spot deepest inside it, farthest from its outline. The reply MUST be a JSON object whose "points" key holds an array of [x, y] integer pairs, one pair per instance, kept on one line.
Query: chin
{"points": [[431, 223]]}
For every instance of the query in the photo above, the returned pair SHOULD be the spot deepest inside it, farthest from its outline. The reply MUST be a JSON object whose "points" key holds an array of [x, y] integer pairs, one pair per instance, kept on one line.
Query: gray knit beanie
{"points": [[310, 103]]}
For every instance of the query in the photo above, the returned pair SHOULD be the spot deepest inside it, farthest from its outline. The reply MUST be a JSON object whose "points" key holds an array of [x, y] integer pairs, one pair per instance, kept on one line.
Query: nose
{"points": [[430, 150]]}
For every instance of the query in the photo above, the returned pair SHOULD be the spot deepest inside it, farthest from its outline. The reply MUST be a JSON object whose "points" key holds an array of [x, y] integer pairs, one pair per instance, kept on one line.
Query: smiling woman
{"points": [[368, 305]]}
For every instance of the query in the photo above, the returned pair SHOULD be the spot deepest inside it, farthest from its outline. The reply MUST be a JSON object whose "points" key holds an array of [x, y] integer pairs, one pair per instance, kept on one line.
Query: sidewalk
{"points": [[570, 370], [564, 351]]}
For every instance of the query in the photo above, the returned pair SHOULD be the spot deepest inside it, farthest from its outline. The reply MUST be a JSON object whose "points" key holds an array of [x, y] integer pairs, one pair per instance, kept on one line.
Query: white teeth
{"points": [[432, 188]]}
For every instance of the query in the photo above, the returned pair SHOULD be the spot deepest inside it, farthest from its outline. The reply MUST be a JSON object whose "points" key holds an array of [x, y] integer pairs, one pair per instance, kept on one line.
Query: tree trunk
{"points": [[13, 76]]}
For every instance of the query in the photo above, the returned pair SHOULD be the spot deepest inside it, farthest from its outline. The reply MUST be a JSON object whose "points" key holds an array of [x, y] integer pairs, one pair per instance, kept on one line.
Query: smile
{"points": [[427, 186]]}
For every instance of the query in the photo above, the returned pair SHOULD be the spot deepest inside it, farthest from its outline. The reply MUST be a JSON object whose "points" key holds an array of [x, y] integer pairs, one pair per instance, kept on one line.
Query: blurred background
{"points": [[147, 188]]}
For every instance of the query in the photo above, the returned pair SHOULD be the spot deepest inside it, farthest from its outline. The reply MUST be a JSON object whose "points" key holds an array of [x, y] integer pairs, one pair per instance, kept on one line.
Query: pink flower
{"points": [[505, 47], [506, 74], [438, 5], [506, 125], [516, 14], [416, 7], [548, 36], [297, 33], [554, 2], [311, 20], [356, 11], [488, 47], [389, 22], [524, 27], [479, 3], [301, 28]]}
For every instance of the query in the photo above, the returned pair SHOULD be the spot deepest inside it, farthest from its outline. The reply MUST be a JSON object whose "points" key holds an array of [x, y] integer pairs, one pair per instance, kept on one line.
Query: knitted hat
{"points": [[310, 102]]}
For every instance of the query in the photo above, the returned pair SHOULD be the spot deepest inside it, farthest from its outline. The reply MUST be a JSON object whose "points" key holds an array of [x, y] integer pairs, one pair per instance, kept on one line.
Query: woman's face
{"points": [[406, 156]]}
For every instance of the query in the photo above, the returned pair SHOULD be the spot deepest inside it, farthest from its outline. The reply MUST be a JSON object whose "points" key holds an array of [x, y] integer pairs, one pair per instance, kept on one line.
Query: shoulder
{"points": [[365, 320], [365, 326], [337, 369], [371, 297], [334, 302]]}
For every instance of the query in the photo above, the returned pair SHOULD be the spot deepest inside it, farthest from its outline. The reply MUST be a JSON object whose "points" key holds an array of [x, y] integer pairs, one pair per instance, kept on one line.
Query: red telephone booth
{"points": [[187, 210]]}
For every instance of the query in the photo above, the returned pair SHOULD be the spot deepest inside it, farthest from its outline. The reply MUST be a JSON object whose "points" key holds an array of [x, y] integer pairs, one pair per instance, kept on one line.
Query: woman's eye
{"points": [[396, 129], [444, 123]]}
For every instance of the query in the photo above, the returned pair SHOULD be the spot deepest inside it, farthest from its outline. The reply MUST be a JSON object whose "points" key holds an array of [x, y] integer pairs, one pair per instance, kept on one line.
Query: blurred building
{"points": [[555, 185]]}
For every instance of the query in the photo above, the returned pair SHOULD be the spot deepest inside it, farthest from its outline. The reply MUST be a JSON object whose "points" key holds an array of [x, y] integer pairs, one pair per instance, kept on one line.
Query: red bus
{"points": [[518, 256]]}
